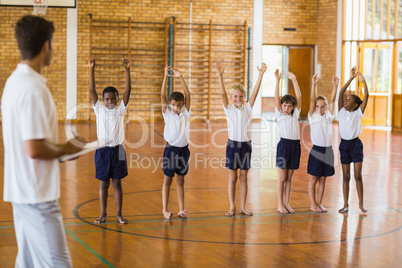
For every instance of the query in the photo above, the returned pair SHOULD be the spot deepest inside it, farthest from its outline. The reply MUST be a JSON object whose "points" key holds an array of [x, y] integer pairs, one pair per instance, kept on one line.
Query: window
{"points": [[275, 57]]}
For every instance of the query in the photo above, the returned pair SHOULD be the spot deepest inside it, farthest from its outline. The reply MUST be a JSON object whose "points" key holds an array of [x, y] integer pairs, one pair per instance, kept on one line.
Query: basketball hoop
{"points": [[39, 7]]}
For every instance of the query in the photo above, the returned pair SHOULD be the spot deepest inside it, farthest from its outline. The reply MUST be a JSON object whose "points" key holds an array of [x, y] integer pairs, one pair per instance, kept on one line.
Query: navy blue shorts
{"points": [[288, 154], [111, 162], [321, 161], [351, 151], [238, 155], [175, 160]]}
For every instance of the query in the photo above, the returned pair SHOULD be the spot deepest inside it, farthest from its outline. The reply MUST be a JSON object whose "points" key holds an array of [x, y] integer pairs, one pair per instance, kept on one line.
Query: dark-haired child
{"points": [[176, 154], [321, 158], [351, 110], [31, 151], [110, 161], [287, 112]]}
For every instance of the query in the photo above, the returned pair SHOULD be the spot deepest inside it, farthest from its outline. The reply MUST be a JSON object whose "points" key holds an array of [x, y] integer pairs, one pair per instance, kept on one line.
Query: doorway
{"points": [[296, 59], [397, 90], [301, 61]]}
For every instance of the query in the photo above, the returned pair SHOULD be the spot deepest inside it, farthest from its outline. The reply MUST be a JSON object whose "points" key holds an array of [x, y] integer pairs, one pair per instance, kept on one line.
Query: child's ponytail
{"points": [[357, 100]]}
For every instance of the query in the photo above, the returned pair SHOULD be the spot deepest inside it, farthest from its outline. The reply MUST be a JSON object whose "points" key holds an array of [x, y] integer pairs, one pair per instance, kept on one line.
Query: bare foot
{"points": [[101, 219], [289, 209], [182, 214], [362, 208], [316, 209], [345, 209], [230, 213], [323, 209], [120, 219], [246, 212], [168, 215], [283, 210]]}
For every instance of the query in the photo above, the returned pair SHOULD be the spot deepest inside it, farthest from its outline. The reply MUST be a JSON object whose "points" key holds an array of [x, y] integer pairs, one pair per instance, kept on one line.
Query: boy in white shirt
{"points": [[176, 154], [351, 110], [287, 113], [238, 149], [110, 161], [31, 151], [321, 158]]}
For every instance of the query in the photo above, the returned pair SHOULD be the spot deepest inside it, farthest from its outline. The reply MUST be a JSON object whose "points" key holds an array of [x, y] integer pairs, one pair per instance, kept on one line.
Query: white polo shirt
{"points": [[321, 129], [350, 125], [28, 113], [238, 122], [288, 124], [177, 129], [110, 123]]}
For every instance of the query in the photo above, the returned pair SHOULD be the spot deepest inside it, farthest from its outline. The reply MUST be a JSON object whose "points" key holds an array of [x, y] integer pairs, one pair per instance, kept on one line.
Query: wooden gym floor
{"points": [[208, 238]]}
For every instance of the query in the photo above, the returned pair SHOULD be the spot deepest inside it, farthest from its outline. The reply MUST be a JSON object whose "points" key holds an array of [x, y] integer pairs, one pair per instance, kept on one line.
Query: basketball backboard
{"points": [[29, 3]]}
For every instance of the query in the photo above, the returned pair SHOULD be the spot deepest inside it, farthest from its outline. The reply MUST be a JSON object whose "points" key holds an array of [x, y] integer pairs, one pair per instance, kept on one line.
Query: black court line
{"points": [[76, 214]]}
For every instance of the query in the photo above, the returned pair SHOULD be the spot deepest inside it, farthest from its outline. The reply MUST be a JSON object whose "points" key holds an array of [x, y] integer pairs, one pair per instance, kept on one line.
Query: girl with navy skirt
{"points": [[238, 149], [321, 158], [287, 113], [351, 110]]}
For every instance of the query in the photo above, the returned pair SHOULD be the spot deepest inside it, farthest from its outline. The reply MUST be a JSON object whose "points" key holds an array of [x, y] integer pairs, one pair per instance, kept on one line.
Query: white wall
{"points": [[71, 68], [257, 50]]}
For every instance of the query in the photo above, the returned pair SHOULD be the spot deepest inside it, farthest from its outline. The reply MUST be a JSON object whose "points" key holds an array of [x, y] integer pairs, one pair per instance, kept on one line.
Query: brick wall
{"points": [[9, 54], [220, 12], [315, 23], [299, 14], [312, 18]]}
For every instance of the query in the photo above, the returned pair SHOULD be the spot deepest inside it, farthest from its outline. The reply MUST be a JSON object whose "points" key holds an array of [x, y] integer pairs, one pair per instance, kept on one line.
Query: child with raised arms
{"points": [[321, 158], [238, 149], [176, 154], [287, 113], [351, 110], [110, 161]]}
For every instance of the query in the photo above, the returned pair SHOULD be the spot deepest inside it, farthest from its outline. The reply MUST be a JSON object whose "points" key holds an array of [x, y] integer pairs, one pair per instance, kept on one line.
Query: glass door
{"points": [[376, 66], [397, 94]]}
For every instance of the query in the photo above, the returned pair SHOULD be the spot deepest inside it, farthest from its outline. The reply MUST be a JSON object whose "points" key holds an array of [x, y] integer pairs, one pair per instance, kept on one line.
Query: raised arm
{"points": [[163, 89], [278, 77], [177, 74], [353, 74], [292, 77], [221, 69], [313, 95], [335, 81], [257, 86], [366, 93], [127, 90], [92, 89]]}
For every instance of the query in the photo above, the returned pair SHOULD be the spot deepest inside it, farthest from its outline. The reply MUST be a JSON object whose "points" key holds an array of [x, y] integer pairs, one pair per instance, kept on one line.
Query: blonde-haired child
{"points": [[321, 158], [238, 149]]}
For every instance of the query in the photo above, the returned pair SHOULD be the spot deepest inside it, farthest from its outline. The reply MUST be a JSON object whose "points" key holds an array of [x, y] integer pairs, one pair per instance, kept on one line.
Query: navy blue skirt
{"points": [[321, 161], [288, 154]]}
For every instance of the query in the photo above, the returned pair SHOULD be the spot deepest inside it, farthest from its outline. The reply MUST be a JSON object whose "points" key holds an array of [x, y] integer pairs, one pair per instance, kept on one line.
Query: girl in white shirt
{"points": [[238, 149], [351, 110], [287, 112], [321, 158]]}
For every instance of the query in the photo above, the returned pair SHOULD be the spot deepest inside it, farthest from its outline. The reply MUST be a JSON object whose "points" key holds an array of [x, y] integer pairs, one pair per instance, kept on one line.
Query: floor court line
{"points": [[89, 248]]}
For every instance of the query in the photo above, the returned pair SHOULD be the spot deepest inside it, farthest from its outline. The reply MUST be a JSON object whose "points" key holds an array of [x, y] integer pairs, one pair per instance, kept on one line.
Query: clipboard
{"points": [[88, 147]]}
